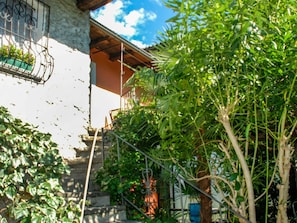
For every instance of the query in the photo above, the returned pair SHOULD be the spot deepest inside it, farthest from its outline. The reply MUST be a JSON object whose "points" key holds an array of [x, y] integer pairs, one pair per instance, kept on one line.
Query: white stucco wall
{"points": [[102, 102], [61, 105]]}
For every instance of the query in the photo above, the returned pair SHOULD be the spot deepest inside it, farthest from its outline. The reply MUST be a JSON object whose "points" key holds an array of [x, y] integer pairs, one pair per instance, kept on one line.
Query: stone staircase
{"points": [[98, 208]]}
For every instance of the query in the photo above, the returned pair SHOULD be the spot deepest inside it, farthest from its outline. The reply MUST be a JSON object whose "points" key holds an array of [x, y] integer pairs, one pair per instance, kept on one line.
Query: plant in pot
{"points": [[29, 58], [4, 52], [16, 57]]}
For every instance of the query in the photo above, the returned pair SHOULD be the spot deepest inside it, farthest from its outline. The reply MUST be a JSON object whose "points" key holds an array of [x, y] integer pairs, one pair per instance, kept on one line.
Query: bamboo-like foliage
{"points": [[230, 68]]}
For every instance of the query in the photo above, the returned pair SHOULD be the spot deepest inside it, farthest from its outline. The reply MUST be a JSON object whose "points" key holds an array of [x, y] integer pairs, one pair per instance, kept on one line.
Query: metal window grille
{"points": [[24, 31]]}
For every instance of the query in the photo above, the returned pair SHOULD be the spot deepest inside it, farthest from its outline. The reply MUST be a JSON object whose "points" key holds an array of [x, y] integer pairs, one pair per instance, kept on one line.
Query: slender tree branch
{"points": [[224, 119]]}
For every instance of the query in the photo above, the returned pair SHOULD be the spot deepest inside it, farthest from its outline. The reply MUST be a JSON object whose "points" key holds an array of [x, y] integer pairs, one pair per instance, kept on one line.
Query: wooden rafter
{"points": [[116, 56], [91, 4], [95, 42]]}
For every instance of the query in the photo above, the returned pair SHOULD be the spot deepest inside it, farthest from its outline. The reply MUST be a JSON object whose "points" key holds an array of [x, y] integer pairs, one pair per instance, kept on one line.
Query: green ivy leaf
{"points": [[2, 127], [21, 211], [36, 218], [18, 177], [3, 220], [10, 192], [32, 189], [54, 202]]}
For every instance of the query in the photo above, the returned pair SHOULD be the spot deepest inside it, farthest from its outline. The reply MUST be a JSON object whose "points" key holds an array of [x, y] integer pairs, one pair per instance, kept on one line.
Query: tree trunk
{"points": [[224, 119], [284, 163], [204, 185]]}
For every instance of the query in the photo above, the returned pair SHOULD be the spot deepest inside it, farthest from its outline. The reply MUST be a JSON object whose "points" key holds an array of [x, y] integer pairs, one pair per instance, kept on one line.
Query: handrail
{"points": [[134, 206], [178, 177], [88, 175]]}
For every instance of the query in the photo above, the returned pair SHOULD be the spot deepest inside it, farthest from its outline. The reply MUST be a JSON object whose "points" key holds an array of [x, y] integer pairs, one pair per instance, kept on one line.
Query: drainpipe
{"points": [[122, 73]]}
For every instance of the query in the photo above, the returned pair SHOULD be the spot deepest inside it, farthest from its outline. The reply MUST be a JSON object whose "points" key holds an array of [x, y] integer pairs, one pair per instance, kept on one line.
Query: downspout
{"points": [[92, 80], [90, 96], [122, 74]]}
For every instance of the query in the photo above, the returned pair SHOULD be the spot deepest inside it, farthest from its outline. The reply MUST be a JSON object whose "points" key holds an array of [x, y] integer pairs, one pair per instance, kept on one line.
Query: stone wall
{"points": [[60, 106]]}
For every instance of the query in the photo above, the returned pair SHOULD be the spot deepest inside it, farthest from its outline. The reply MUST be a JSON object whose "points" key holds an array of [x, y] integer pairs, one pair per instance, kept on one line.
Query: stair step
{"points": [[105, 214], [98, 208], [86, 152], [83, 161], [88, 138], [98, 146], [75, 185], [94, 199], [92, 131], [129, 221]]}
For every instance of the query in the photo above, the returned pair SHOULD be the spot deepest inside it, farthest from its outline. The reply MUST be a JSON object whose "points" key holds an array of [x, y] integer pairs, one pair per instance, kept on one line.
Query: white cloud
{"points": [[139, 44], [115, 17], [135, 17]]}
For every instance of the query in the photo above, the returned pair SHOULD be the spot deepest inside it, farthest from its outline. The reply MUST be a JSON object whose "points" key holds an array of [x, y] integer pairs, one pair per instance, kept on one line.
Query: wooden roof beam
{"points": [[117, 56], [91, 4], [98, 40]]}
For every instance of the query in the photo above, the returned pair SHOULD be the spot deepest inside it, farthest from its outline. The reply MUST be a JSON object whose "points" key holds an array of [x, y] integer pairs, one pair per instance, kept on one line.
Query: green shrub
{"points": [[30, 172]]}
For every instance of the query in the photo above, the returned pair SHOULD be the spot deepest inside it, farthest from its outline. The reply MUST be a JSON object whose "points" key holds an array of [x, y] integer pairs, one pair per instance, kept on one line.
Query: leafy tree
{"points": [[137, 126], [225, 103], [31, 168], [231, 71]]}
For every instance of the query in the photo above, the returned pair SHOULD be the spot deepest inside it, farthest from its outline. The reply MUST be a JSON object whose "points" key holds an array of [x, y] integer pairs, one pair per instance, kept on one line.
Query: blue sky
{"points": [[138, 21]]}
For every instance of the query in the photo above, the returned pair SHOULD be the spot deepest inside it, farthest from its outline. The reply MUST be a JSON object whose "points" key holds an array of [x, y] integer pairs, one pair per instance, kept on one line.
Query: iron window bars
{"points": [[24, 30]]}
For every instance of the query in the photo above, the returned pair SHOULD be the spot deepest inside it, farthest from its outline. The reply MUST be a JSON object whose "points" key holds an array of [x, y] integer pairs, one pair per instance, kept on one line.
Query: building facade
{"points": [[56, 73], [53, 95]]}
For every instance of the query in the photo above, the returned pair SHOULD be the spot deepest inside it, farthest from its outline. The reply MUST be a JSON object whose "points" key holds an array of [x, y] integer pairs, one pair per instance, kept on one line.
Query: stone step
{"points": [[128, 221], [86, 152], [98, 207], [88, 138], [92, 130], [122, 221], [83, 161], [79, 173], [94, 199], [77, 183], [105, 214]]}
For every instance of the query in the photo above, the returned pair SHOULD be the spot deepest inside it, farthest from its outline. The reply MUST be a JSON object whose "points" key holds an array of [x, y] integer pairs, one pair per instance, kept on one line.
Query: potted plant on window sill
{"points": [[16, 57]]}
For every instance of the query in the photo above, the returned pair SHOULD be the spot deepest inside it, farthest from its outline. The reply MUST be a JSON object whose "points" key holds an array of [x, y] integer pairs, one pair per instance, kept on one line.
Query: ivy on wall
{"points": [[30, 173]]}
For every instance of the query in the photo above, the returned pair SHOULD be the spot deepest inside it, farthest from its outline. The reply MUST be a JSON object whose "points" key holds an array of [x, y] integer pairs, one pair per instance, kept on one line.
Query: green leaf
{"points": [[10, 192], [2, 127], [233, 176], [240, 199], [32, 189], [54, 202], [21, 211], [36, 218], [237, 186], [18, 177]]}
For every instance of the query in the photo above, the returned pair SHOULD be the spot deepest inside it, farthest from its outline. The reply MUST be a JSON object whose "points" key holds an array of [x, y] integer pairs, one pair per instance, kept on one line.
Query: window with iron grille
{"points": [[24, 30]]}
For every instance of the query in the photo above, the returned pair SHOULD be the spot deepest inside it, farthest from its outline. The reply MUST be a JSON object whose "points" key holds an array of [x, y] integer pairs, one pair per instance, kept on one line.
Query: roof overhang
{"points": [[91, 4], [107, 41]]}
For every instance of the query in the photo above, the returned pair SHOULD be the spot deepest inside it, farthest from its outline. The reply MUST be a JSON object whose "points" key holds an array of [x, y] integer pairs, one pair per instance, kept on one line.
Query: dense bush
{"points": [[30, 170]]}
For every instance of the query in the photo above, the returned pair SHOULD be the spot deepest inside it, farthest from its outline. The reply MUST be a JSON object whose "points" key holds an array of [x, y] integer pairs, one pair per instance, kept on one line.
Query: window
{"points": [[24, 29]]}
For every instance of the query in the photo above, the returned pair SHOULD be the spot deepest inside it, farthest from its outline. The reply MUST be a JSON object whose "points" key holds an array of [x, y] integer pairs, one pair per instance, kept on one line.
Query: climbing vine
{"points": [[30, 172]]}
